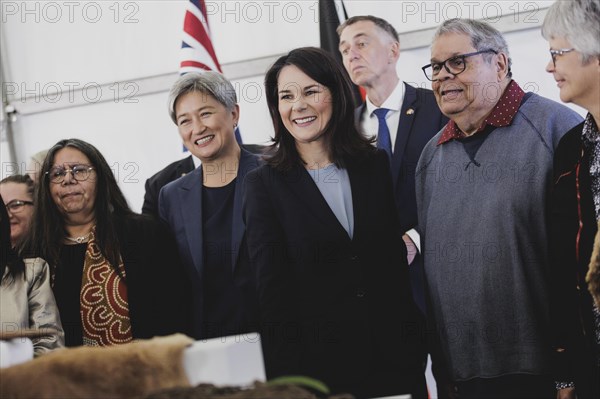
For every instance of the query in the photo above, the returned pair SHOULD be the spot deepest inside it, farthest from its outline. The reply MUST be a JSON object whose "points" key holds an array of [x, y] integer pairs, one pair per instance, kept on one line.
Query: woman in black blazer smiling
{"points": [[333, 282]]}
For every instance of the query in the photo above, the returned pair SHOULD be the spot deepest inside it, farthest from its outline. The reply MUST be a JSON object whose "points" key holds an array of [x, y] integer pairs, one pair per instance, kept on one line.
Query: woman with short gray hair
{"points": [[573, 31], [210, 83]]}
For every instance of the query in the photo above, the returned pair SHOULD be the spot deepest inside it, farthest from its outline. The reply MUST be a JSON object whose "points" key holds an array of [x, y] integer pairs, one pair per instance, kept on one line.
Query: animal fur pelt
{"points": [[593, 275], [257, 391], [124, 371]]}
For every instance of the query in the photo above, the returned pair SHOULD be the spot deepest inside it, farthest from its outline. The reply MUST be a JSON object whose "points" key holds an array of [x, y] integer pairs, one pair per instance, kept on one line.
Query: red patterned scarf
{"points": [[104, 305]]}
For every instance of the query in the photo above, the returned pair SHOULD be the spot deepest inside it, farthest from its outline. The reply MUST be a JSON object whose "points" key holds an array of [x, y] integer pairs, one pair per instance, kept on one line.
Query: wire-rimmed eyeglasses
{"points": [[17, 206], [560, 51], [454, 65], [78, 172]]}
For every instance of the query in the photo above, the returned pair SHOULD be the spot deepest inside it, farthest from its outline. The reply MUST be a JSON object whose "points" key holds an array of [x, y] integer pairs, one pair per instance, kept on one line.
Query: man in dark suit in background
{"points": [[171, 172], [174, 171], [402, 117]]}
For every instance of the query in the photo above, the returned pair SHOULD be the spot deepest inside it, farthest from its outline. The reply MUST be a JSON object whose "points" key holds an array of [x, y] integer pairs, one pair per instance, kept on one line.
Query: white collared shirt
{"points": [[370, 126], [370, 123]]}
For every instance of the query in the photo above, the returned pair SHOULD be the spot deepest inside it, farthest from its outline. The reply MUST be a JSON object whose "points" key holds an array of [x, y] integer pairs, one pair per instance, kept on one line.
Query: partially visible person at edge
{"points": [[323, 233], [26, 299], [482, 187], [403, 119], [17, 191], [204, 208], [35, 165], [116, 275], [572, 29]]}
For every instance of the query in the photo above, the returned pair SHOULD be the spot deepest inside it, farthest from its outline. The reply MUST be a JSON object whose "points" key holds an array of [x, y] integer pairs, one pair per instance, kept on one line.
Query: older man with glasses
{"points": [[482, 184]]}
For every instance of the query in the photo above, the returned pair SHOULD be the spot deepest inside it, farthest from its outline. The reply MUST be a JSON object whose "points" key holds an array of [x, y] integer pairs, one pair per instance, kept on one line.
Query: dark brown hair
{"points": [[110, 204], [343, 136]]}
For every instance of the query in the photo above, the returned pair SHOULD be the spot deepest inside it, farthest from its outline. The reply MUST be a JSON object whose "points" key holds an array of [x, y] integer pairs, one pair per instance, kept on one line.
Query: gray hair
{"points": [[577, 21], [210, 83], [483, 36], [380, 22]]}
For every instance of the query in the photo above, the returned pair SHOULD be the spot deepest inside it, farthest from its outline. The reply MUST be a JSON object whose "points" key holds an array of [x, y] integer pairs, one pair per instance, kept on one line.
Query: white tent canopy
{"points": [[101, 70]]}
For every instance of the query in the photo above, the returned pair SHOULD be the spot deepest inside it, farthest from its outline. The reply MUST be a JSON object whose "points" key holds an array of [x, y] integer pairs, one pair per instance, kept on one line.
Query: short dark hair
{"points": [[380, 22], [343, 136], [110, 204], [21, 179]]}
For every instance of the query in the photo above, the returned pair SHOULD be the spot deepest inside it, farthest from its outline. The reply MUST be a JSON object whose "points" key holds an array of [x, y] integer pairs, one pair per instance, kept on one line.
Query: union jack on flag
{"points": [[197, 52]]}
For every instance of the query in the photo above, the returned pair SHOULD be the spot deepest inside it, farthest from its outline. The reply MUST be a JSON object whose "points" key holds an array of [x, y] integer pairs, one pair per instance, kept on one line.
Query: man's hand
{"points": [[411, 249]]}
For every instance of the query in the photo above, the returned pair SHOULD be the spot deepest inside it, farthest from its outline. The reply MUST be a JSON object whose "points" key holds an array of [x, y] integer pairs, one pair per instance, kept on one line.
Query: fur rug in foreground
{"points": [[593, 275], [257, 391], [123, 371]]}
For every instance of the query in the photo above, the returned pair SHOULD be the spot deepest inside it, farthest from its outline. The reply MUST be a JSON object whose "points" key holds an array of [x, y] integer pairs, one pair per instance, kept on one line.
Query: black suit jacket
{"points": [[334, 308], [171, 172], [420, 120], [157, 286], [180, 206]]}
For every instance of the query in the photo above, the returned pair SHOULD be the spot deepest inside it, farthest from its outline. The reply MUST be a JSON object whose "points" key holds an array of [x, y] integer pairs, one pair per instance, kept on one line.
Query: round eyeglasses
{"points": [[560, 51], [17, 206], [78, 172], [454, 65]]}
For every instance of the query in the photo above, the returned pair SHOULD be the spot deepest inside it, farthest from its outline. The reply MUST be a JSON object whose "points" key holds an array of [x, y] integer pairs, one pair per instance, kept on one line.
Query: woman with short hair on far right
{"points": [[572, 29]]}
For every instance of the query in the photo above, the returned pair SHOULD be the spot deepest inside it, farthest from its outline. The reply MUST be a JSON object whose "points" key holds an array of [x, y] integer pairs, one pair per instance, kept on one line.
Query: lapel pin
{"points": [[410, 111]]}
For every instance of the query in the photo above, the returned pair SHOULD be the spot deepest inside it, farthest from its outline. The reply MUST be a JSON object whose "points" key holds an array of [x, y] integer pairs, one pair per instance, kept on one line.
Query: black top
{"points": [[472, 143], [572, 230], [223, 305], [67, 291]]}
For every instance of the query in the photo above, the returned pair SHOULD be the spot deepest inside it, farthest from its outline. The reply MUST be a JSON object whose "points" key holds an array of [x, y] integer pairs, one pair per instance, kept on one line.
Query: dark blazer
{"points": [[334, 308], [416, 128], [171, 172], [180, 206], [573, 228], [174, 171], [157, 286]]}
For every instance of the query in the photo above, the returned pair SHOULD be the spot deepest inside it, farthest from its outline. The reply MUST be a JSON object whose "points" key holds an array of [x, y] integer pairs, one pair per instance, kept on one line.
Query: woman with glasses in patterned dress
{"points": [[17, 191], [572, 29], [116, 275]]}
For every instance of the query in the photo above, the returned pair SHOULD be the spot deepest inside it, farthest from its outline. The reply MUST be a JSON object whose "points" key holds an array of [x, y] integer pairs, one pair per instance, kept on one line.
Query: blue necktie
{"points": [[383, 133]]}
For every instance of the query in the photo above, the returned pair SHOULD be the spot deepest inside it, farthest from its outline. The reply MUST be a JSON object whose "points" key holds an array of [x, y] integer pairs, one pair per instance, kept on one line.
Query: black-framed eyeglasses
{"points": [[16, 206], [78, 172], [454, 65], [560, 51]]}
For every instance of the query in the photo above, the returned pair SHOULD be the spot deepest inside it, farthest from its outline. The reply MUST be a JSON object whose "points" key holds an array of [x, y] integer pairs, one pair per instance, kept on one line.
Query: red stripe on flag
{"points": [[194, 28], [195, 64]]}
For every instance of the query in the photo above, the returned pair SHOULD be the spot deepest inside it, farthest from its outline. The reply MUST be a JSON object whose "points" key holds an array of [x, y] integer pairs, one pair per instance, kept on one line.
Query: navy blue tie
{"points": [[383, 133]]}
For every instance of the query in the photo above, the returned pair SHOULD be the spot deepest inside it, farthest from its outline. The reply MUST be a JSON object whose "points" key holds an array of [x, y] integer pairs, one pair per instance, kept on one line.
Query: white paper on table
{"points": [[234, 360], [15, 351]]}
